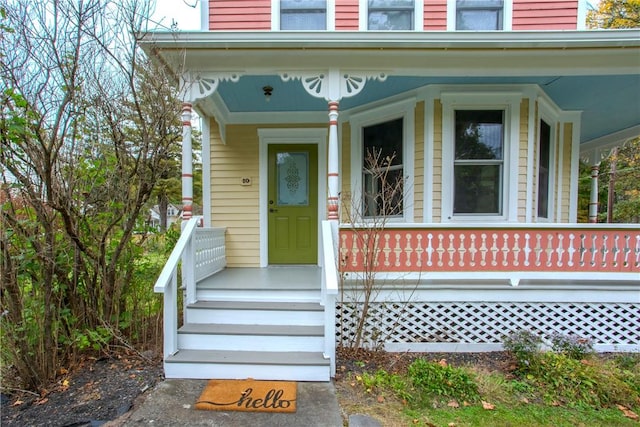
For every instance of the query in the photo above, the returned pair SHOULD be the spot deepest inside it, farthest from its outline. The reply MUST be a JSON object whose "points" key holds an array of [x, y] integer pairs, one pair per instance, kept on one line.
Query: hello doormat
{"points": [[248, 395]]}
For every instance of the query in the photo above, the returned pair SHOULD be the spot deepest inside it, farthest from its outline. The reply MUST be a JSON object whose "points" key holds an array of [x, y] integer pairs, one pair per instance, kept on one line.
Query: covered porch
{"points": [[452, 289], [442, 283]]}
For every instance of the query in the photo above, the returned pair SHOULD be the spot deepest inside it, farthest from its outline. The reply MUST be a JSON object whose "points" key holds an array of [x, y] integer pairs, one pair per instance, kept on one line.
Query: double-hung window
{"points": [[395, 15], [303, 14], [383, 169], [478, 162], [479, 15]]}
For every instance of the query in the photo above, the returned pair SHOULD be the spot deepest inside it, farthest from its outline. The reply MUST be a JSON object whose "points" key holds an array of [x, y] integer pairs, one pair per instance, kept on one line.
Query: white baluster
{"points": [[419, 251], [461, 250], [483, 250], [408, 250], [571, 249], [386, 250], [604, 250], [560, 250], [429, 249], [397, 250], [538, 249], [516, 249], [527, 248], [616, 249], [473, 250], [505, 249], [440, 250], [451, 250]]}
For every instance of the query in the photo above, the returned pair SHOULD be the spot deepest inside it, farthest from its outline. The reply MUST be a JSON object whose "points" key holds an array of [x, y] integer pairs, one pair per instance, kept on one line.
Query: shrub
{"points": [[433, 379], [525, 347], [581, 383], [572, 346]]}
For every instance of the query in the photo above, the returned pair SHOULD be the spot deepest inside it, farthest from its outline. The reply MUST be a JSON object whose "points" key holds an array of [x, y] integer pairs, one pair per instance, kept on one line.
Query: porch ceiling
{"points": [[595, 72]]}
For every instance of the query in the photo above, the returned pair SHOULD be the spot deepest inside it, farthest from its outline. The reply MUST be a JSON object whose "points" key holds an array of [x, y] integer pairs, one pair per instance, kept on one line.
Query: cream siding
{"points": [[418, 168], [437, 161], [523, 155], [566, 171], [345, 171], [233, 205]]}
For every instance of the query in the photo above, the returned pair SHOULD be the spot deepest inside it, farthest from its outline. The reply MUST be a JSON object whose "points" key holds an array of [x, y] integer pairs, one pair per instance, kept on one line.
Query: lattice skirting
{"points": [[480, 326]]}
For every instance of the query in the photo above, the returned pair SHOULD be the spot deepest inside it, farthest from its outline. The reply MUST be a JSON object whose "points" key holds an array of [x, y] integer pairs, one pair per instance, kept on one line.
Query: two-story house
{"points": [[479, 110]]}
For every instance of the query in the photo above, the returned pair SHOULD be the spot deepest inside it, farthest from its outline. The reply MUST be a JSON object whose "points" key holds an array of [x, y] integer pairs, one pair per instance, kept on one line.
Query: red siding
{"points": [[239, 14], [346, 15], [545, 15], [435, 15]]}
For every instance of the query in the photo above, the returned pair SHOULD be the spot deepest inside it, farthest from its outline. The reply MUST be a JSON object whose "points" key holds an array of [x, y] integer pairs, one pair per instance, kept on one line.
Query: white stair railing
{"points": [[329, 289], [202, 252]]}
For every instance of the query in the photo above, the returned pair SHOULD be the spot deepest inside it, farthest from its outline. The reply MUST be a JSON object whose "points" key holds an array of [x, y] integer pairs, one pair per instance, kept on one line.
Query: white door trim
{"points": [[317, 136]]}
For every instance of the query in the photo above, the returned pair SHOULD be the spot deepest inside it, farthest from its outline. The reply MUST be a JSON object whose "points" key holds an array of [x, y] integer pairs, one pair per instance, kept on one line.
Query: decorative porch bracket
{"points": [[193, 87], [333, 85]]}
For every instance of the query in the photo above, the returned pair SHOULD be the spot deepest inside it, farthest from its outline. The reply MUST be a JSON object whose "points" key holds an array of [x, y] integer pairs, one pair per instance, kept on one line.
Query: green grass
{"points": [[558, 391], [518, 416]]}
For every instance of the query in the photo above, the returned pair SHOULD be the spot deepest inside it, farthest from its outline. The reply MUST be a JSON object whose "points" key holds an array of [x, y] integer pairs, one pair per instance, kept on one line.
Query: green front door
{"points": [[293, 204]]}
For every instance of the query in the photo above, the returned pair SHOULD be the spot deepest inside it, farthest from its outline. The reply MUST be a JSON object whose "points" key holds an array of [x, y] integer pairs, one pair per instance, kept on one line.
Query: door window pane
{"points": [[478, 164], [382, 169], [303, 14], [390, 14], [478, 15], [293, 178]]}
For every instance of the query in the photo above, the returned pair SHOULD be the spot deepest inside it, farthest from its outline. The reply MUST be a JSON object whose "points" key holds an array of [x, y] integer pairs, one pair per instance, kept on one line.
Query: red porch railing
{"points": [[526, 248]]}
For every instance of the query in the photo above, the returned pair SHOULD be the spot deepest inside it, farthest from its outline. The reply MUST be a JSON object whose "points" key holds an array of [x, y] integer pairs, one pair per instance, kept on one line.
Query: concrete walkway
{"points": [[172, 403]]}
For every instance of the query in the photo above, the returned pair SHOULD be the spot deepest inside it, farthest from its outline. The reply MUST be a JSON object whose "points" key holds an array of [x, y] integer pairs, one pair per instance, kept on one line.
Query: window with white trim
{"points": [[388, 133], [479, 15], [544, 170], [382, 169], [303, 14], [478, 162], [480, 152], [395, 15]]}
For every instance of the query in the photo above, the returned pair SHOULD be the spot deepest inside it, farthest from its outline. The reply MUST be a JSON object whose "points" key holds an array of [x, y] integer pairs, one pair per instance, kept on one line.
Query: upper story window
{"points": [[391, 15], [303, 14], [478, 15]]}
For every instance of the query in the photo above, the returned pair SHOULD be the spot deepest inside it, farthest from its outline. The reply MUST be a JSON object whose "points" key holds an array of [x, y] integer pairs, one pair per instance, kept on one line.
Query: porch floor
{"points": [[283, 277]]}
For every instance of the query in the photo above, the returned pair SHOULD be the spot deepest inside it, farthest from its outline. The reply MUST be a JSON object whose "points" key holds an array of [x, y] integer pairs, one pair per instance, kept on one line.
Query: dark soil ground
{"points": [[102, 389], [96, 391]]}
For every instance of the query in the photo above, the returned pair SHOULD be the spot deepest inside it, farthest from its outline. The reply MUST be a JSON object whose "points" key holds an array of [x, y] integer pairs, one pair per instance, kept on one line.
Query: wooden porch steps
{"points": [[253, 323], [262, 365]]}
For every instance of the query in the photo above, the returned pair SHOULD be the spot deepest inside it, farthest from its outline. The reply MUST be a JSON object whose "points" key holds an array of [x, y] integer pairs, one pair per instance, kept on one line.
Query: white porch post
{"points": [[332, 165], [593, 202], [187, 163]]}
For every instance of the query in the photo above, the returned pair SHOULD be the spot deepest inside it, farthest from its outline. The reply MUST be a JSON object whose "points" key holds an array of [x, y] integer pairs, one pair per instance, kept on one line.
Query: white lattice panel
{"points": [[478, 323]]}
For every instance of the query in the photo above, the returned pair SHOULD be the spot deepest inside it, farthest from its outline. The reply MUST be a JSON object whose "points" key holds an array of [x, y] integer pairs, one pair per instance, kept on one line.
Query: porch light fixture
{"points": [[267, 92]]}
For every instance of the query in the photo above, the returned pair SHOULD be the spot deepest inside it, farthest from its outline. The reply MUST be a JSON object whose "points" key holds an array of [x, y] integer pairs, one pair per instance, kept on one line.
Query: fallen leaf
{"points": [[466, 404], [132, 376], [488, 406], [453, 404], [380, 399], [443, 363], [556, 403], [42, 401], [63, 371], [451, 425], [416, 421], [17, 403], [628, 412], [524, 400], [65, 383]]}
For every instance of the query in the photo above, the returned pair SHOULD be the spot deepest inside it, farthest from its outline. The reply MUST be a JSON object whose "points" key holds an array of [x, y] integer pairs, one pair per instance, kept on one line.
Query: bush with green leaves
{"points": [[430, 379], [571, 382]]}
